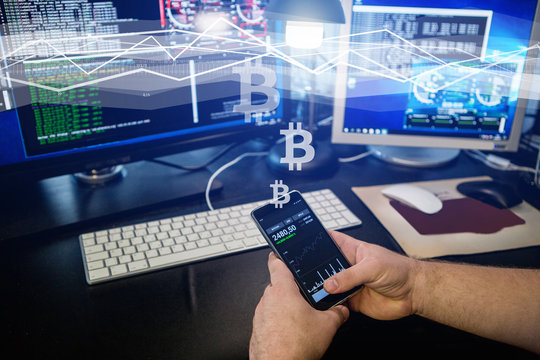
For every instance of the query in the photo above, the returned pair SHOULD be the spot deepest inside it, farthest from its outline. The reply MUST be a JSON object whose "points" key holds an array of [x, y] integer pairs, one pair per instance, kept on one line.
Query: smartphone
{"points": [[299, 239]]}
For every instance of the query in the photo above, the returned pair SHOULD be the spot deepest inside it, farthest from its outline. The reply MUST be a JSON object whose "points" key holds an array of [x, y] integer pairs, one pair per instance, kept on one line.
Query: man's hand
{"points": [[285, 326], [388, 279]]}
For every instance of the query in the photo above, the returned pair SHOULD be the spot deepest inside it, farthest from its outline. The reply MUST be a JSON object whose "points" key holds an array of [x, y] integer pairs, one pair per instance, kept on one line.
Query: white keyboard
{"points": [[140, 248]]}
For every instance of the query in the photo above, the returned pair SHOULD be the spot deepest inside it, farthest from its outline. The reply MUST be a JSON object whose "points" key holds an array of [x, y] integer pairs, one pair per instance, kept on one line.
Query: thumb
{"points": [[363, 272]]}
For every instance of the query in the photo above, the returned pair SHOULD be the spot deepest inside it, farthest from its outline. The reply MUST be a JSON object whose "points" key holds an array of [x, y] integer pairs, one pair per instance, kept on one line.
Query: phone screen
{"points": [[300, 240]]}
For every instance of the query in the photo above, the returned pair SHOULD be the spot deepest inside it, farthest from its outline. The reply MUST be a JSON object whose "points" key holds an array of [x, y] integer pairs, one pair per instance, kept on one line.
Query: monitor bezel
{"points": [[122, 154], [341, 137]]}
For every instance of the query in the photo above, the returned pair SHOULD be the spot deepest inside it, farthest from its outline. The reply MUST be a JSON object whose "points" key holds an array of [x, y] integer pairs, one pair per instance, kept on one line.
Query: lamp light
{"points": [[305, 18], [305, 30]]}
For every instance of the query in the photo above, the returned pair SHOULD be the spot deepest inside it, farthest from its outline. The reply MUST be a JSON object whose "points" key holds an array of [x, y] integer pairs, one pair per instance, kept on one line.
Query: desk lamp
{"points": [[305, 30]]}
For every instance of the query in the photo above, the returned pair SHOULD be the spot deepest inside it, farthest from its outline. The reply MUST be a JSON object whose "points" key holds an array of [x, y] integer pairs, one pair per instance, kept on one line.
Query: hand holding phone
{"points": [[299, 239]]}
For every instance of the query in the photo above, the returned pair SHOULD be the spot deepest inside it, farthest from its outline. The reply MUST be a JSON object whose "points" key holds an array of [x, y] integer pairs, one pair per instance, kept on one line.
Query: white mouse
{"points": [[415, 197]]}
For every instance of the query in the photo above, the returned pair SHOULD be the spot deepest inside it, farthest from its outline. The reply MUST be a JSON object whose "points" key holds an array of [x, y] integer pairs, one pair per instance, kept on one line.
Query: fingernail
{"points": [[331, 284]]}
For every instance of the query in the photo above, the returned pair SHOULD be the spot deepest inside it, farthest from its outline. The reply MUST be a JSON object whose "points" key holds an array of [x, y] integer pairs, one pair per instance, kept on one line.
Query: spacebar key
{"points": [[187, 255]]}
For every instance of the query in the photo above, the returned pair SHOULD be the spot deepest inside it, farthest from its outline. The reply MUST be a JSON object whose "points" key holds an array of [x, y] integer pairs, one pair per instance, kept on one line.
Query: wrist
{"points": [[419, 286]]}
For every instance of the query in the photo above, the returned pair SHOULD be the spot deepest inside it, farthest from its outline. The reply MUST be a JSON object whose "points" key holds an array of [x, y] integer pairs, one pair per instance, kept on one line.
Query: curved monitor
{"points": [[87, 84], [435, 74]]}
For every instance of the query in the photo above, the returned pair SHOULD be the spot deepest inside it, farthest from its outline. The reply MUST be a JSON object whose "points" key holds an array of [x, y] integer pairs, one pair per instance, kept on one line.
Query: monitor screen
{"points": [[434, 73], [88, 83]]}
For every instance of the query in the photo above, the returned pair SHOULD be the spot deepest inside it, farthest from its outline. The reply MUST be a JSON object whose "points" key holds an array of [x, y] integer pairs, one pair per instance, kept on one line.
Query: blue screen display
{"points": [[91, 75], [436, 68]]}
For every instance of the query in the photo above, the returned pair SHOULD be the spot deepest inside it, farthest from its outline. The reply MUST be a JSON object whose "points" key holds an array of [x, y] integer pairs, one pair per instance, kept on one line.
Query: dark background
{"points": [[203, 310]]}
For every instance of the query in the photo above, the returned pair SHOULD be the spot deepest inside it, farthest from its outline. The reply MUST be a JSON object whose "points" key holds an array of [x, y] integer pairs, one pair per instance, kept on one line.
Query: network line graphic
{"points": [[140, 52]]}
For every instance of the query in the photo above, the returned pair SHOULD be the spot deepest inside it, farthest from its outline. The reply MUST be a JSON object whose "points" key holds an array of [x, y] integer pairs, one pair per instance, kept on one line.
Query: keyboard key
{"points": [[116, 252], [168, 242], [251, 232], [95, 265], [115, 237], [110, 262], [193, 237], [111, 246], [162, 236], [350, 216], [217, 232], [87, 236], [97, 256], [102, 239], [118, 269], [140, 232], [149, 238], [123, 243], [98, 274], [186, 255], [177, 248], [332, 224], [203, 243], [129, 250], [205, 234], [233, 245], [186, 231], [164, 251], [93, 249], [89, 242], [142, 247], [250, 241], [226, 238], [138, 265]]}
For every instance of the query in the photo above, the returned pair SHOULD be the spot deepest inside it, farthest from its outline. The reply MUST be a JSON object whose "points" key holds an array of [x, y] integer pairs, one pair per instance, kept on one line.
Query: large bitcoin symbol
{"points": [[247, 88], [280, 190], [290, 145]]}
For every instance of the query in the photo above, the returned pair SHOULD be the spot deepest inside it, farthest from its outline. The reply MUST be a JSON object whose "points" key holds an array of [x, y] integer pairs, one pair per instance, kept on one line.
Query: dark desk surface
{"points": [[204, 310]]}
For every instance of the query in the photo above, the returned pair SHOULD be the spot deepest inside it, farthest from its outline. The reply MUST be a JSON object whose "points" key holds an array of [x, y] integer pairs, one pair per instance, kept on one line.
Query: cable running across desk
{"points": [[223, 168]]}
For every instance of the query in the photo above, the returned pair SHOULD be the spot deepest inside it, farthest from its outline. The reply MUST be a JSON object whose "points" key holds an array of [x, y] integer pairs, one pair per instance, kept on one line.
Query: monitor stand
{"points": [[101, 176], [414, 156], [63, 203]]}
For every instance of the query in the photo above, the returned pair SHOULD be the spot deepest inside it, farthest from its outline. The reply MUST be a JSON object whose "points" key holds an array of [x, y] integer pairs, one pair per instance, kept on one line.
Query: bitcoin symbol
{"points": [[280, 189], [247, 88], [290, 145]]}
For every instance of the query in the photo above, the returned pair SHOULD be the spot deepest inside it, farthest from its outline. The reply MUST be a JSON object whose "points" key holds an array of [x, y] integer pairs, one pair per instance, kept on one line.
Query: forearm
{"points": [[496, 303]]}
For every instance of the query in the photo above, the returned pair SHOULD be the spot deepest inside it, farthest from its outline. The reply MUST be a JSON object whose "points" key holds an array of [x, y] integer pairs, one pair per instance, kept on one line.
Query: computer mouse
{"points": [[494, 193], [415, 197]]}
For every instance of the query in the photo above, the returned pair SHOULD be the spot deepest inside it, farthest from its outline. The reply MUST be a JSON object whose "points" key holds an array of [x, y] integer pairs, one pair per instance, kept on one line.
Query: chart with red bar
{"points": [[188, 14]]}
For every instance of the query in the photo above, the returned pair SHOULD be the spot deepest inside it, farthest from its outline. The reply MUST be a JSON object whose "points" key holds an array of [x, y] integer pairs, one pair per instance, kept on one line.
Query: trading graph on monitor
{"points": [[80, 75], [434, 74]]}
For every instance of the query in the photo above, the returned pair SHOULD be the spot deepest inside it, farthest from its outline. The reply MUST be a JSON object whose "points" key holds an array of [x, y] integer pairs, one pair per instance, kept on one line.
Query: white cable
{"points": [[224, 167], [537, 173], [356, 157], [497, 162]]}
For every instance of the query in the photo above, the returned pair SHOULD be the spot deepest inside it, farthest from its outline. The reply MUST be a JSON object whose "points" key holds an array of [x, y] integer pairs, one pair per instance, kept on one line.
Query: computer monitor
{"points": [[434, 74], [89, 84]]}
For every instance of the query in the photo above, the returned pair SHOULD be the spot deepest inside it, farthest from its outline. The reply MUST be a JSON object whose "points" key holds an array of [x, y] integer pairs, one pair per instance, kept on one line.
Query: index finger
{"points": [[346, 243]]}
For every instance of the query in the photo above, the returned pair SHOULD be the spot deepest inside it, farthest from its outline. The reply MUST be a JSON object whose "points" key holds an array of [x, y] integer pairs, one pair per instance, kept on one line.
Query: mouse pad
{"points": [[459, 216]]}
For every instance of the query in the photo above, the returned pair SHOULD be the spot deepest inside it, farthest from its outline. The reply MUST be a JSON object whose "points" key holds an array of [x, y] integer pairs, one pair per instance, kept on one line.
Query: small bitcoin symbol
{"points": [[280, 189], [290, 145], [247, 89]]}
